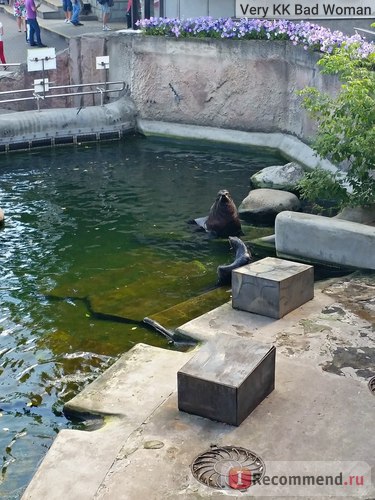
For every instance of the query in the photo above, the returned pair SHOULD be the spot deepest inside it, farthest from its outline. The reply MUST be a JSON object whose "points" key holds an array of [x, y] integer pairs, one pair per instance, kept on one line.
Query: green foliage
{"points": [[320, 186], [346, 123]]}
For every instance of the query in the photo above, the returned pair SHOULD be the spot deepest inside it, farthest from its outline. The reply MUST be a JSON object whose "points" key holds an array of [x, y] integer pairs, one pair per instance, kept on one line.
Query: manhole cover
{"points": [[371, 385], [228, 467]]}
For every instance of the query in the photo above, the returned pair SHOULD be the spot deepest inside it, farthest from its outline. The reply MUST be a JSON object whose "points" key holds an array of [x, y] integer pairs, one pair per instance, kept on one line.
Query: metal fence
{"points": [[43, 90]]}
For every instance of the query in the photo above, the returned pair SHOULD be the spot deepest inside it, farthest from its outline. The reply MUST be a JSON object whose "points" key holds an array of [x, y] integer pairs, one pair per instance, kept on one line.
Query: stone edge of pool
{"points": [[33, 129]]}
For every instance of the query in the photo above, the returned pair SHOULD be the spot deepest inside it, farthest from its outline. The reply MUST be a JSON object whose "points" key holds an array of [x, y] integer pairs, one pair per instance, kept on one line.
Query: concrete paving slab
{"points": [[298, 423], [329, 331], [127, 393], [314, 424]]}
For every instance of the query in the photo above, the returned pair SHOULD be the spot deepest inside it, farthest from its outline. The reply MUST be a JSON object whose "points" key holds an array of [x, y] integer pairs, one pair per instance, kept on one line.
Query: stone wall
{"points": [[22, 79], [241, 85]]}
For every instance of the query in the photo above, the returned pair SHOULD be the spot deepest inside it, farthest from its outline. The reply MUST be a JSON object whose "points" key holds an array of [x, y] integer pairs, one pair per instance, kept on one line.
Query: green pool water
{"points": [[90, 230]]}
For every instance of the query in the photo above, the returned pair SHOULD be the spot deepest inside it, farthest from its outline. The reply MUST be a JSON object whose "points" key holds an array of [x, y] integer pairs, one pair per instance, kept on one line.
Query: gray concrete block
{"points": [[227, 379], [314, 238], [272, 287]]}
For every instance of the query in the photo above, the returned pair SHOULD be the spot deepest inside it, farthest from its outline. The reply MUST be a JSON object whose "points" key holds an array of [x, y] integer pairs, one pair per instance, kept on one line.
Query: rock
{"points": [[284, 177], [1, 217], [262, 205], [363, 215], [153, 445]]}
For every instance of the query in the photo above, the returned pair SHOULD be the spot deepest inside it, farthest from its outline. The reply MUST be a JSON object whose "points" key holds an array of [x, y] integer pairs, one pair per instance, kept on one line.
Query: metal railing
{"points": [[102, 89]]}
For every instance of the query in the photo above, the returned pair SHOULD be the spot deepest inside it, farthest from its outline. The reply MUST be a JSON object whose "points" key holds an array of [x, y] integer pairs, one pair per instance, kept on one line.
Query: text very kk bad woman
{"points": [[340, 8]]}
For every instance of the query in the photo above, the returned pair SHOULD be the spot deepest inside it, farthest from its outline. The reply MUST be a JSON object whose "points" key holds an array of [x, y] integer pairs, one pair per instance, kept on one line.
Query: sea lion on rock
{"points": [[223, 220], [243, 257]]}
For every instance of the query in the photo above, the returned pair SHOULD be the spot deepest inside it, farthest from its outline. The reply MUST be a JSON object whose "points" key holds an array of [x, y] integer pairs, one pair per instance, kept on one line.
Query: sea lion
{"points": [[172, 337], [222, 220], [243, 257]]}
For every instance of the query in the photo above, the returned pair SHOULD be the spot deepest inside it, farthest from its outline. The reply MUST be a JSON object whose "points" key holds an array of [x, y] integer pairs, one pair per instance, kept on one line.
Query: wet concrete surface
{"points": [[325, 356]]}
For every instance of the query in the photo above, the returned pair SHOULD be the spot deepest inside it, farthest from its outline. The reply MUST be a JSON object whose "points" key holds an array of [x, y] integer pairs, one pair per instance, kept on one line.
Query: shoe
{"points": [[41, 45], [106, 28], [67, 21], [77, 24]]}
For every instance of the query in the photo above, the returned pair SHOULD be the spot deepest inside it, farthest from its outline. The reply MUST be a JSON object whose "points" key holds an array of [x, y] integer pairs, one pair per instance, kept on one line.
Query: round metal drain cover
{"points": [[226, 466], [371, 385]]}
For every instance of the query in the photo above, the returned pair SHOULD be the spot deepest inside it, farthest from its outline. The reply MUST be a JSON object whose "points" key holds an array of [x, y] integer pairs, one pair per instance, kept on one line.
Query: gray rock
{"points": [[262, 205], [363, 215], [283, 177]]}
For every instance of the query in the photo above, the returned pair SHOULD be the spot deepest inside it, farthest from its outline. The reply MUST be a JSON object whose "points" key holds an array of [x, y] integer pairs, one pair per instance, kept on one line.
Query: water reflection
{"points": [[81, 223]]}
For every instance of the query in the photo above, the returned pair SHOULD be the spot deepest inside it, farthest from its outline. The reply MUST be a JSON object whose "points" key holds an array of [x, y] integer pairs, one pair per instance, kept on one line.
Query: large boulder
{"points": [[262, 205], [283, 177], [362, 215]]}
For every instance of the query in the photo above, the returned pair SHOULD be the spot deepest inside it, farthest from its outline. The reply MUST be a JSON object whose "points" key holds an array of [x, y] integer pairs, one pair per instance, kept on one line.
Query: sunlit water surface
{"points": [[78, 215]]}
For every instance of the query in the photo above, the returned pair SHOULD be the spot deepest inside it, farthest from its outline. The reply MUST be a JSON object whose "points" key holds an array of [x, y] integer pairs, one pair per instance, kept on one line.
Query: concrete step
{"points": [[47, 12], [52, 9]]}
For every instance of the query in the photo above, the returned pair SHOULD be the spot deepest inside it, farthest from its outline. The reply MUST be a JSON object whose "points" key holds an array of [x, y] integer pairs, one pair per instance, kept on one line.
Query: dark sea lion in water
{"points": [[223, 220], [242, 257]]}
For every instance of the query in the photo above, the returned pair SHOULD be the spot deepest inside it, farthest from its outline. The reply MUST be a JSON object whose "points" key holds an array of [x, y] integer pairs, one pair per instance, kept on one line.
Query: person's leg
{"points": [[65, 10], [135, 16], [129, 18], [74, 19], [31, 23], [27, 31], [19, 22], [106, 13], [2, 57], [69, 10], [37, 34]]}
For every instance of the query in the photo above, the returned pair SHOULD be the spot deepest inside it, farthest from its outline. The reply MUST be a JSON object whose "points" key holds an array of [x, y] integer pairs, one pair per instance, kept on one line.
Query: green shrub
{"points": [[346, 127]]}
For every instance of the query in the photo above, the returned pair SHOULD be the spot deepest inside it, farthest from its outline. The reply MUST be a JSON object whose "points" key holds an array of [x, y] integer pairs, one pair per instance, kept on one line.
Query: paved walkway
{"points": [[55, 33]]}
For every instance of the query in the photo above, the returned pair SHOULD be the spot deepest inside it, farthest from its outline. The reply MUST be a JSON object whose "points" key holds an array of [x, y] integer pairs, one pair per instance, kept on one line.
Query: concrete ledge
{"points": [[126, 394], [288, 145], [321, 239], [32, 127]]}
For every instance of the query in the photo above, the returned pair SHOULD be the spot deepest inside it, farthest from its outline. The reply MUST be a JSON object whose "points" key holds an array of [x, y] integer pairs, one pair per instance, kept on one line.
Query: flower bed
{"points": [[311, 36]]}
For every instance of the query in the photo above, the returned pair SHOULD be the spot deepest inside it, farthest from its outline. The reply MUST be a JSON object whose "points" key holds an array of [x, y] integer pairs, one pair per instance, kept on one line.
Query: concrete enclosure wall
{"points": [[241, 85]]}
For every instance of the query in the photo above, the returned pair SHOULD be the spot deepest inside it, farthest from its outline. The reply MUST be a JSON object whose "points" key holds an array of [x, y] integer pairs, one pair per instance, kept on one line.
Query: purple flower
{"points": [[308, 35]]}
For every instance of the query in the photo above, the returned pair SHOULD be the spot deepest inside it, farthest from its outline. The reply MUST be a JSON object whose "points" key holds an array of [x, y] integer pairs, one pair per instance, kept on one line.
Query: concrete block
{"points": [[272, 287], [226, 379], [314, 238]]}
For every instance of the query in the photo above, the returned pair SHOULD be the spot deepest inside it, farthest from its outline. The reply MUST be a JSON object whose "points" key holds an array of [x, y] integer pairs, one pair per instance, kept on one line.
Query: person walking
{"points": [[32, 22], [2, 57], [19, 11], [67, 8], [76, 12]]}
